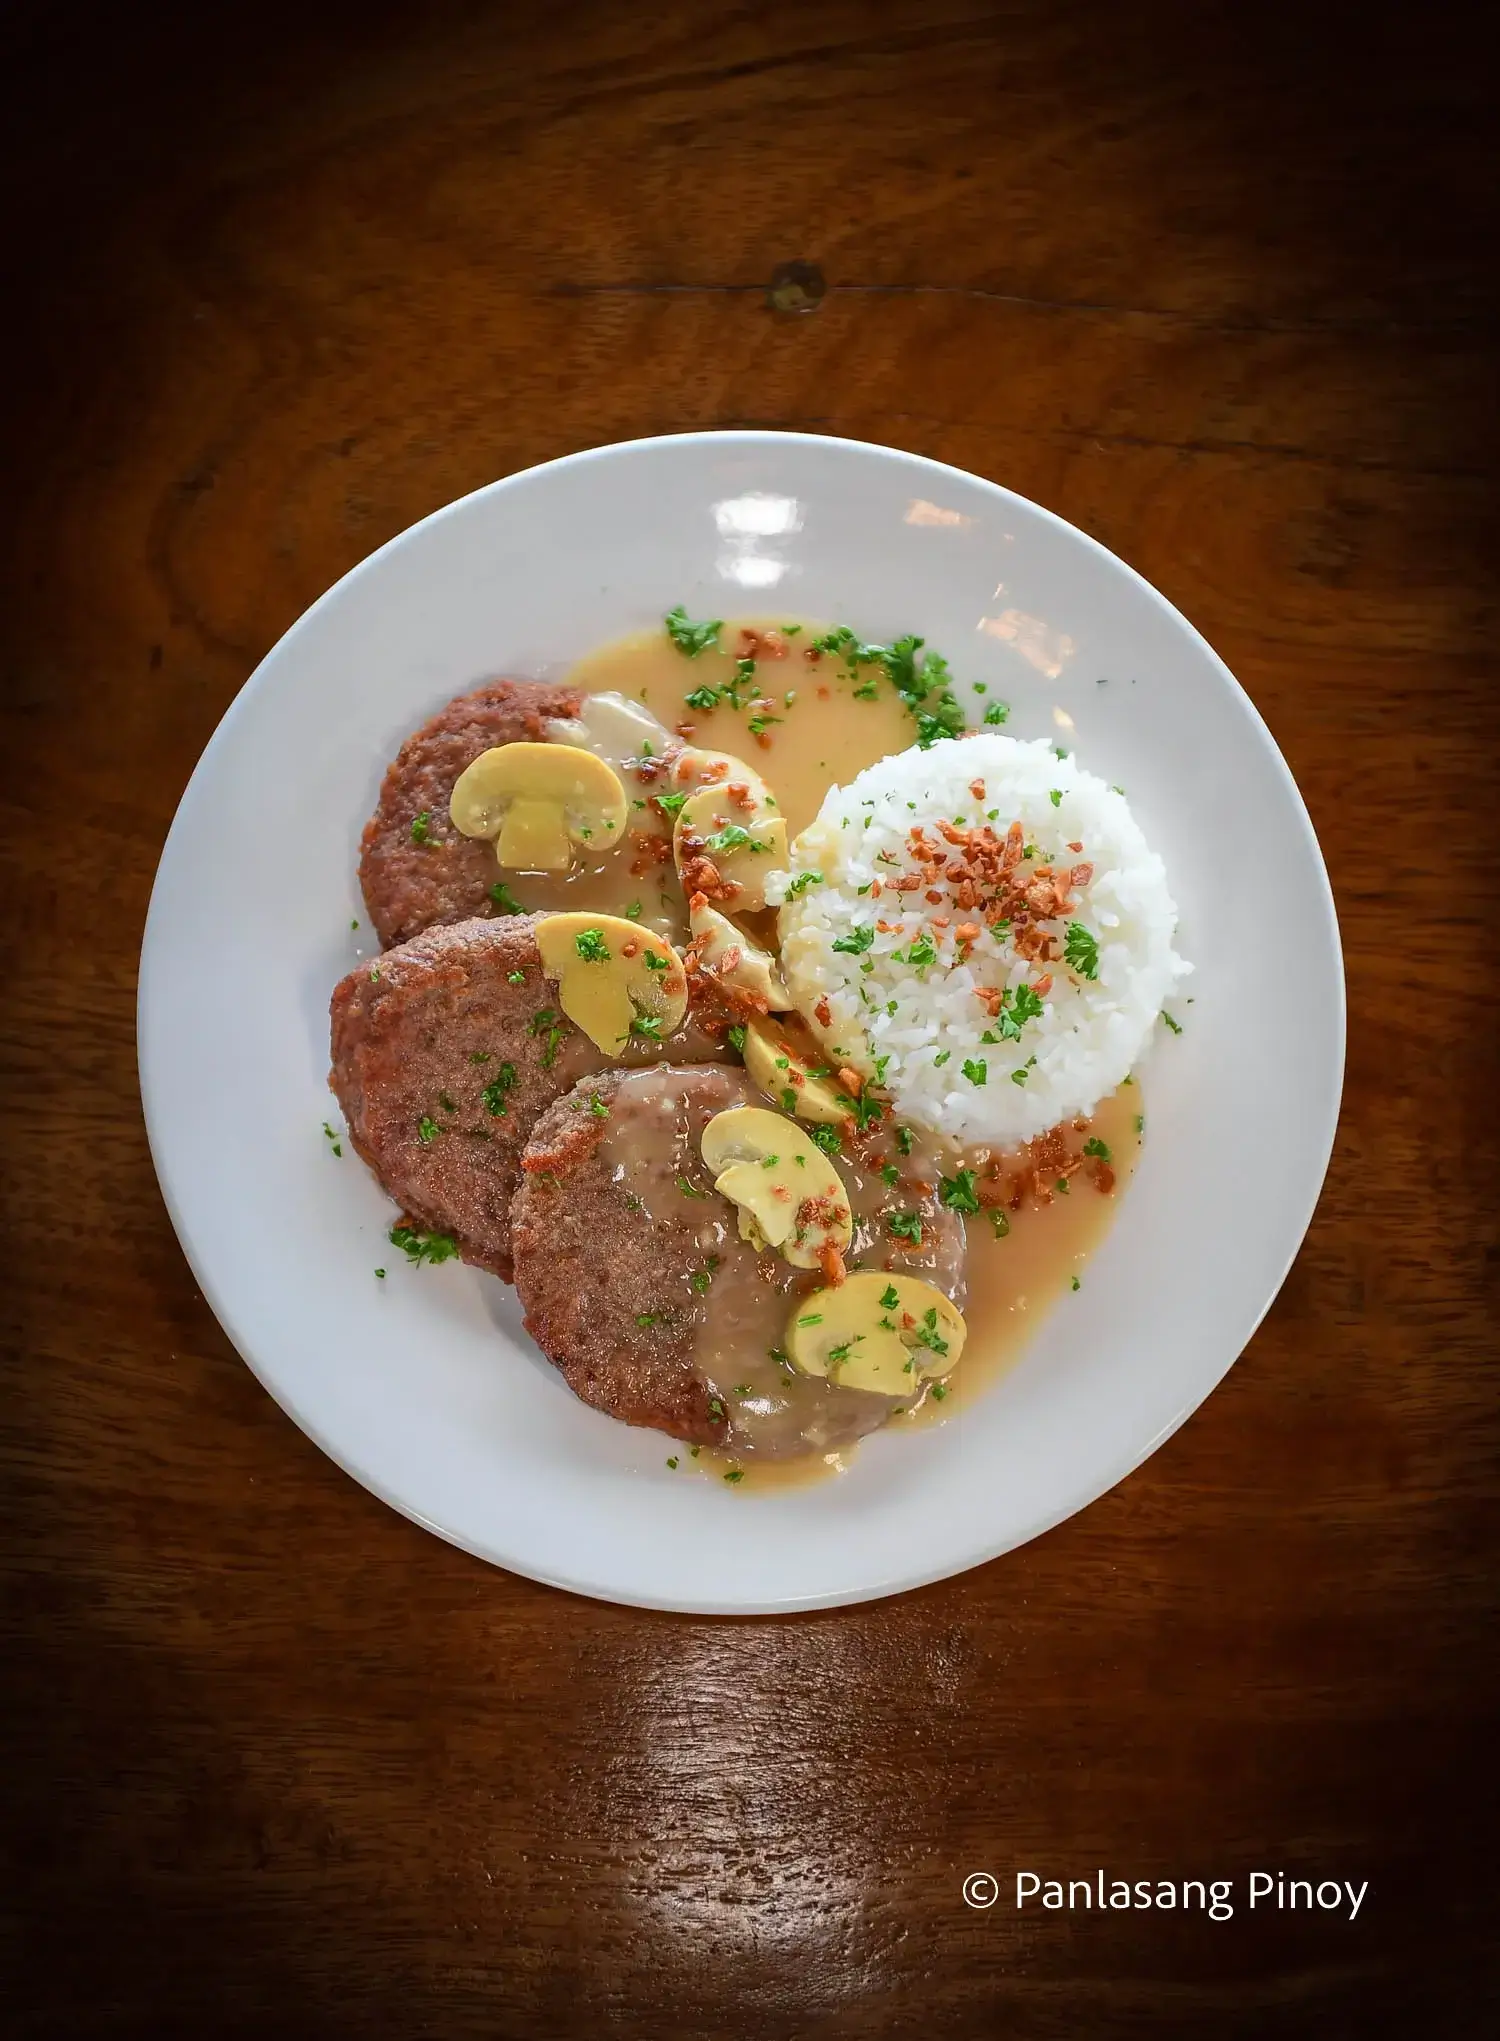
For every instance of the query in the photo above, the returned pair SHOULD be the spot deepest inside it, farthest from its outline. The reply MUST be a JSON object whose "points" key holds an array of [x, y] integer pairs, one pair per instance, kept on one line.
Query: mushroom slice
{"points": [[614, 978], [886, 1333], [614, 728], [695, 766], [538, 801], [785, 1076], [735, 959], [789, 1194], [727, 850]]}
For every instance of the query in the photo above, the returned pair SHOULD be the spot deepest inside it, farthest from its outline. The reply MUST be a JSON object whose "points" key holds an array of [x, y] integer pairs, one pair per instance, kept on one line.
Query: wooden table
{"points": [[283, 279]]}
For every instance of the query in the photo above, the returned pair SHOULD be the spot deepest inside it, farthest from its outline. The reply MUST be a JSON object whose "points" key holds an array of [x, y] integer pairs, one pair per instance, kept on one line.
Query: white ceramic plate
{"points": [[423, 1386]]}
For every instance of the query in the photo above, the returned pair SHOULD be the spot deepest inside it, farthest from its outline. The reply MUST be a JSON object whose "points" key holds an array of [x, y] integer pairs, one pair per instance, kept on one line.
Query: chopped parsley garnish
{"points": [[672, 1461], [782, 1360], [427, 1129], [591, 946], [1077, 1285], [733, 837], [958, 1192], [735, 1474], [939, 1391], [930, 1336], [494, 1094], [670, 804], [335, 1144], [689, 1189], [381, 1274], [801, 883], [646, 1024], [715, 1407], [1064, 1188], [827, 1139], [504, 899], [759, 723], [941, 1058], [866, 1112], [701, 1278], [1055, 797], [633, 911], [890, 1174], [1175, 1026], [421, 827], [1140, 1123], [653, 962], [889, 1298], [1081, 950], [905, 1139], [857, 941], [994, 715], [812, 1318], [769, 1161], [702, 698], [479, 1055], [1094, 1146], [419, 1246], [598, 1107], [648, 1318], [736, 1038], [977, 1071], [1017, 1006], [689, 638], [922, 954], [789, 1100], [999, 1224], [515, 977], [843, 1351], [905, 1226]]}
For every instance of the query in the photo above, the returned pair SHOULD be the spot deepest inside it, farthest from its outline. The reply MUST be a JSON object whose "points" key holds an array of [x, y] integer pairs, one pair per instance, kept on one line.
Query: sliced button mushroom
{"points": [[695, 766], [736, 959], [614, 978], [887, 1333], [726, 850], [789, 1194], [785, 1076], [614, 728], [539, 801]]}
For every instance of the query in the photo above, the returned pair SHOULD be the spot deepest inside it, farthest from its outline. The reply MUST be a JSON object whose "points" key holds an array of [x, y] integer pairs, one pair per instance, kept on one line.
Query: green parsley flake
{"points": [[1175, 1026], [905, 1139], [939, 1391], [688, 1188], [702, 698], [958, 1192], [670, 804], [1140, 1123], [494, 1094], [999, 1224], [736, 1038], [905, 1226], [996, 714], [801, 883], [977, 1072], [1077, 1285], [421, 827], [789, 1100], [1055, 797], [827, 1139], [735, 1474], [1081, 950], [646, 1024], [812, 1318], [427, 1129], [1094, 1146], [504, 899], [381, 1274], [689, 638], [419, 1247], [633, 911], [672, 1460], [857, 941], [889, 1297], [591, 946]]}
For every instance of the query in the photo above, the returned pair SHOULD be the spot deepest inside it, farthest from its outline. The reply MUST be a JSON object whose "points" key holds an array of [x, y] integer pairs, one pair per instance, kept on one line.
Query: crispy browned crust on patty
{"points": [[417, 1038], [590, 1265], [409, 886]]}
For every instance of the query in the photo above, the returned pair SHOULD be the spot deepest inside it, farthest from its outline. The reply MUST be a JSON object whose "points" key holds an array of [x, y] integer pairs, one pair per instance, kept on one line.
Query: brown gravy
{"points": [[785, 1429]]}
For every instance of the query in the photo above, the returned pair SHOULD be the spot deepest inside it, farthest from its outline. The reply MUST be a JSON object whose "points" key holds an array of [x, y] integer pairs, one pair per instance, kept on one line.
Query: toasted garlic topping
{"points": [[881, 1332], [790, 1195], [538, 801], [735, 958], [614, 978], [786, 1077], [744, 844]]}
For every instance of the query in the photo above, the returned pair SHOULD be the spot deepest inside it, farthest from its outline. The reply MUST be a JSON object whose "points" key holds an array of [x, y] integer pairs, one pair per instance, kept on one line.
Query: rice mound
{"points": [[901, 1001]]}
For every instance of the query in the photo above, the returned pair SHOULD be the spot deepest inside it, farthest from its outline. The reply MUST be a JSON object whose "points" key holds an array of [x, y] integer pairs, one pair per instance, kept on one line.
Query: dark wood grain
{"points": [[1218, 286]]}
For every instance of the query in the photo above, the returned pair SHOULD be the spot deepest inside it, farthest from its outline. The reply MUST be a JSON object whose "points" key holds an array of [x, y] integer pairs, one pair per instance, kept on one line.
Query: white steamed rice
{"points": [[913, 1030]]}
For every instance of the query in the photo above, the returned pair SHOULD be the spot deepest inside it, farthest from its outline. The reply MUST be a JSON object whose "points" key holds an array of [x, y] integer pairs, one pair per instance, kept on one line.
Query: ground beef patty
{"points": [[639, 1289], [408, 884], [444, 1053]]}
